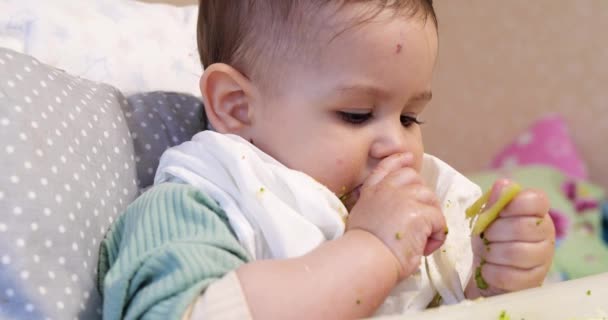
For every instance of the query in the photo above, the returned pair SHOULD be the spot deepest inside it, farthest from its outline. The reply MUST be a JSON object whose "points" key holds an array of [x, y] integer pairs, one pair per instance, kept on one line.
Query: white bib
{"points": [[280, 213]]}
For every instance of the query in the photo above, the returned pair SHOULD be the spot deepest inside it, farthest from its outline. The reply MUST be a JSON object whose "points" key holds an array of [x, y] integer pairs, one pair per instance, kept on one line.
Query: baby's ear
{"points": [[227, 95]]}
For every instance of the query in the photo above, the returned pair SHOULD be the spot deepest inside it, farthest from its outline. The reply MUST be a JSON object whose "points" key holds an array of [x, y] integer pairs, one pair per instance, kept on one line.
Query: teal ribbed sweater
{"points": [[163, 251]]}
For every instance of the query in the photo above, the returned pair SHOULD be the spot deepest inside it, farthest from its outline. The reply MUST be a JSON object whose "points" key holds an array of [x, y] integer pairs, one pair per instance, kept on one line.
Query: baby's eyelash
{"points": [[409, 120], [354, 118], [360, 118]]}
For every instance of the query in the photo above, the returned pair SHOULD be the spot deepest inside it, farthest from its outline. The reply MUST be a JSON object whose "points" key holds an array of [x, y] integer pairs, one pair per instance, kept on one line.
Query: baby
{"points": [[313, 197]]}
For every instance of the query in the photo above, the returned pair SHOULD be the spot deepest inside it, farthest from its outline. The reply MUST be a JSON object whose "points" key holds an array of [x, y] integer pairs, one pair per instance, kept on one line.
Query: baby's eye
{"points": [[354, 118], [407, 121]]}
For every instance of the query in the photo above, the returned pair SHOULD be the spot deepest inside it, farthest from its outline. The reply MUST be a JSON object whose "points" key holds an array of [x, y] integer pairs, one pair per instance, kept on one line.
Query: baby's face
{"points": [[337, 119]]}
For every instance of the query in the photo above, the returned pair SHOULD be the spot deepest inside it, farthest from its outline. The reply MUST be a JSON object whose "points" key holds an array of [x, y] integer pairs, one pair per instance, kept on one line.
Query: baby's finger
{"points": [[527, 203], [512, 279], [439, 231], [410, 185], [402, 177], [521, 255], [388, 165], [520, 228], [497, 189]]}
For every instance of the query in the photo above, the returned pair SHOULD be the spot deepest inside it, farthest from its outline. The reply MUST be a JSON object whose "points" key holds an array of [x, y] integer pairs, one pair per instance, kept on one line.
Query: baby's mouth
{"points": [[350, 197]]}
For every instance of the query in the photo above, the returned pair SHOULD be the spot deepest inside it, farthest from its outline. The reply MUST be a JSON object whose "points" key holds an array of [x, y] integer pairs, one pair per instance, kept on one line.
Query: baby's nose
{"points": [[389, 142]]}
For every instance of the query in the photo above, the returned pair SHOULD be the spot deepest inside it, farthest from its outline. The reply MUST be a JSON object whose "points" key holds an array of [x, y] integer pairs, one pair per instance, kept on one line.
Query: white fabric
{"points": [[223, 300], [131, 45], [280, 213], [275, 212]]}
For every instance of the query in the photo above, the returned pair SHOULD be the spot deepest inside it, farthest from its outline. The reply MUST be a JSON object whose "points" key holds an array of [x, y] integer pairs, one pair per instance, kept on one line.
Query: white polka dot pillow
{"points": [[68, 169], [159, 120]]}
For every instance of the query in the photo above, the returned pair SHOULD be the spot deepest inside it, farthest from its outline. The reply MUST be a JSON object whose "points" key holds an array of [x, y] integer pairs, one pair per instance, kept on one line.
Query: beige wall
{"points": [[502, 64], [175, 2]]}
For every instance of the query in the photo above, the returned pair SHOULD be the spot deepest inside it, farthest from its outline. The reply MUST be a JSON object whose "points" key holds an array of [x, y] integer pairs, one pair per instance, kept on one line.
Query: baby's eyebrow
{"points": [[421, 97], [362, 88], [379, 92]]}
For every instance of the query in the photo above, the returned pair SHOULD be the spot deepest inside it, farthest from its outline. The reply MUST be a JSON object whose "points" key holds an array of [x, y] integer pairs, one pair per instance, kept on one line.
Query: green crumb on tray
{"points": [[504, 316], [398, 236], [446, 231], [588, 292], [261, 189]]}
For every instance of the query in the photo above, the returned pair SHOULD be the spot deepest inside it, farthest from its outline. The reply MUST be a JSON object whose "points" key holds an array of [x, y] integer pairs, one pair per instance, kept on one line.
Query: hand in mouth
{"points": [[349, 198]]}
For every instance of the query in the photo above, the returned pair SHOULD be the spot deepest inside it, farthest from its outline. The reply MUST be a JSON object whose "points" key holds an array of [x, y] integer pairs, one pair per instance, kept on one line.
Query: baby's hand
{"points": [[401, 211], [517, 248]]}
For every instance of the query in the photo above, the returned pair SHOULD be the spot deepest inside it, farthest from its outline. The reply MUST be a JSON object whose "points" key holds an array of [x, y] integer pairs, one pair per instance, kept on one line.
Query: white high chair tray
{"points": [[581, 299]]}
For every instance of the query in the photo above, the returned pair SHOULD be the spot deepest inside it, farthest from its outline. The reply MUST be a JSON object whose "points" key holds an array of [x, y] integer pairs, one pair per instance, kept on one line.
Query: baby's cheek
{"points": [[340, 174], [325, 174]]}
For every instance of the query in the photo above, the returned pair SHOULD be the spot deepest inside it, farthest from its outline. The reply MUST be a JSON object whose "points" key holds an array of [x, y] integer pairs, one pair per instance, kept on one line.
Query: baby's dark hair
{"points": [[251, 35]]}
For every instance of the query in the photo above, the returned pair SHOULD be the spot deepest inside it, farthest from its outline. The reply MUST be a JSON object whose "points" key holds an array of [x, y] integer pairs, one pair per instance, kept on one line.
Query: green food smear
{"points": [[504, 316], [479, 280]]}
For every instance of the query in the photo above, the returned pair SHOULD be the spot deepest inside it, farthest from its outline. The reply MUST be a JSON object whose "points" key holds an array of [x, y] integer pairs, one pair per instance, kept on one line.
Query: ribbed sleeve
{"points": [[163, 251]]}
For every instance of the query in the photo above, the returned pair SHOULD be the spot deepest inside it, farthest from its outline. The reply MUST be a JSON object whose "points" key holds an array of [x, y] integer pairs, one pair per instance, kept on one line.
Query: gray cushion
{"points": [[68, 170], [159, 120]]}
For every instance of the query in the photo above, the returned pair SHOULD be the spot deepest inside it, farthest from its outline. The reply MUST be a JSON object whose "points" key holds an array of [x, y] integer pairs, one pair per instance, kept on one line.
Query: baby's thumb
{"points": [[497, 190]]}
